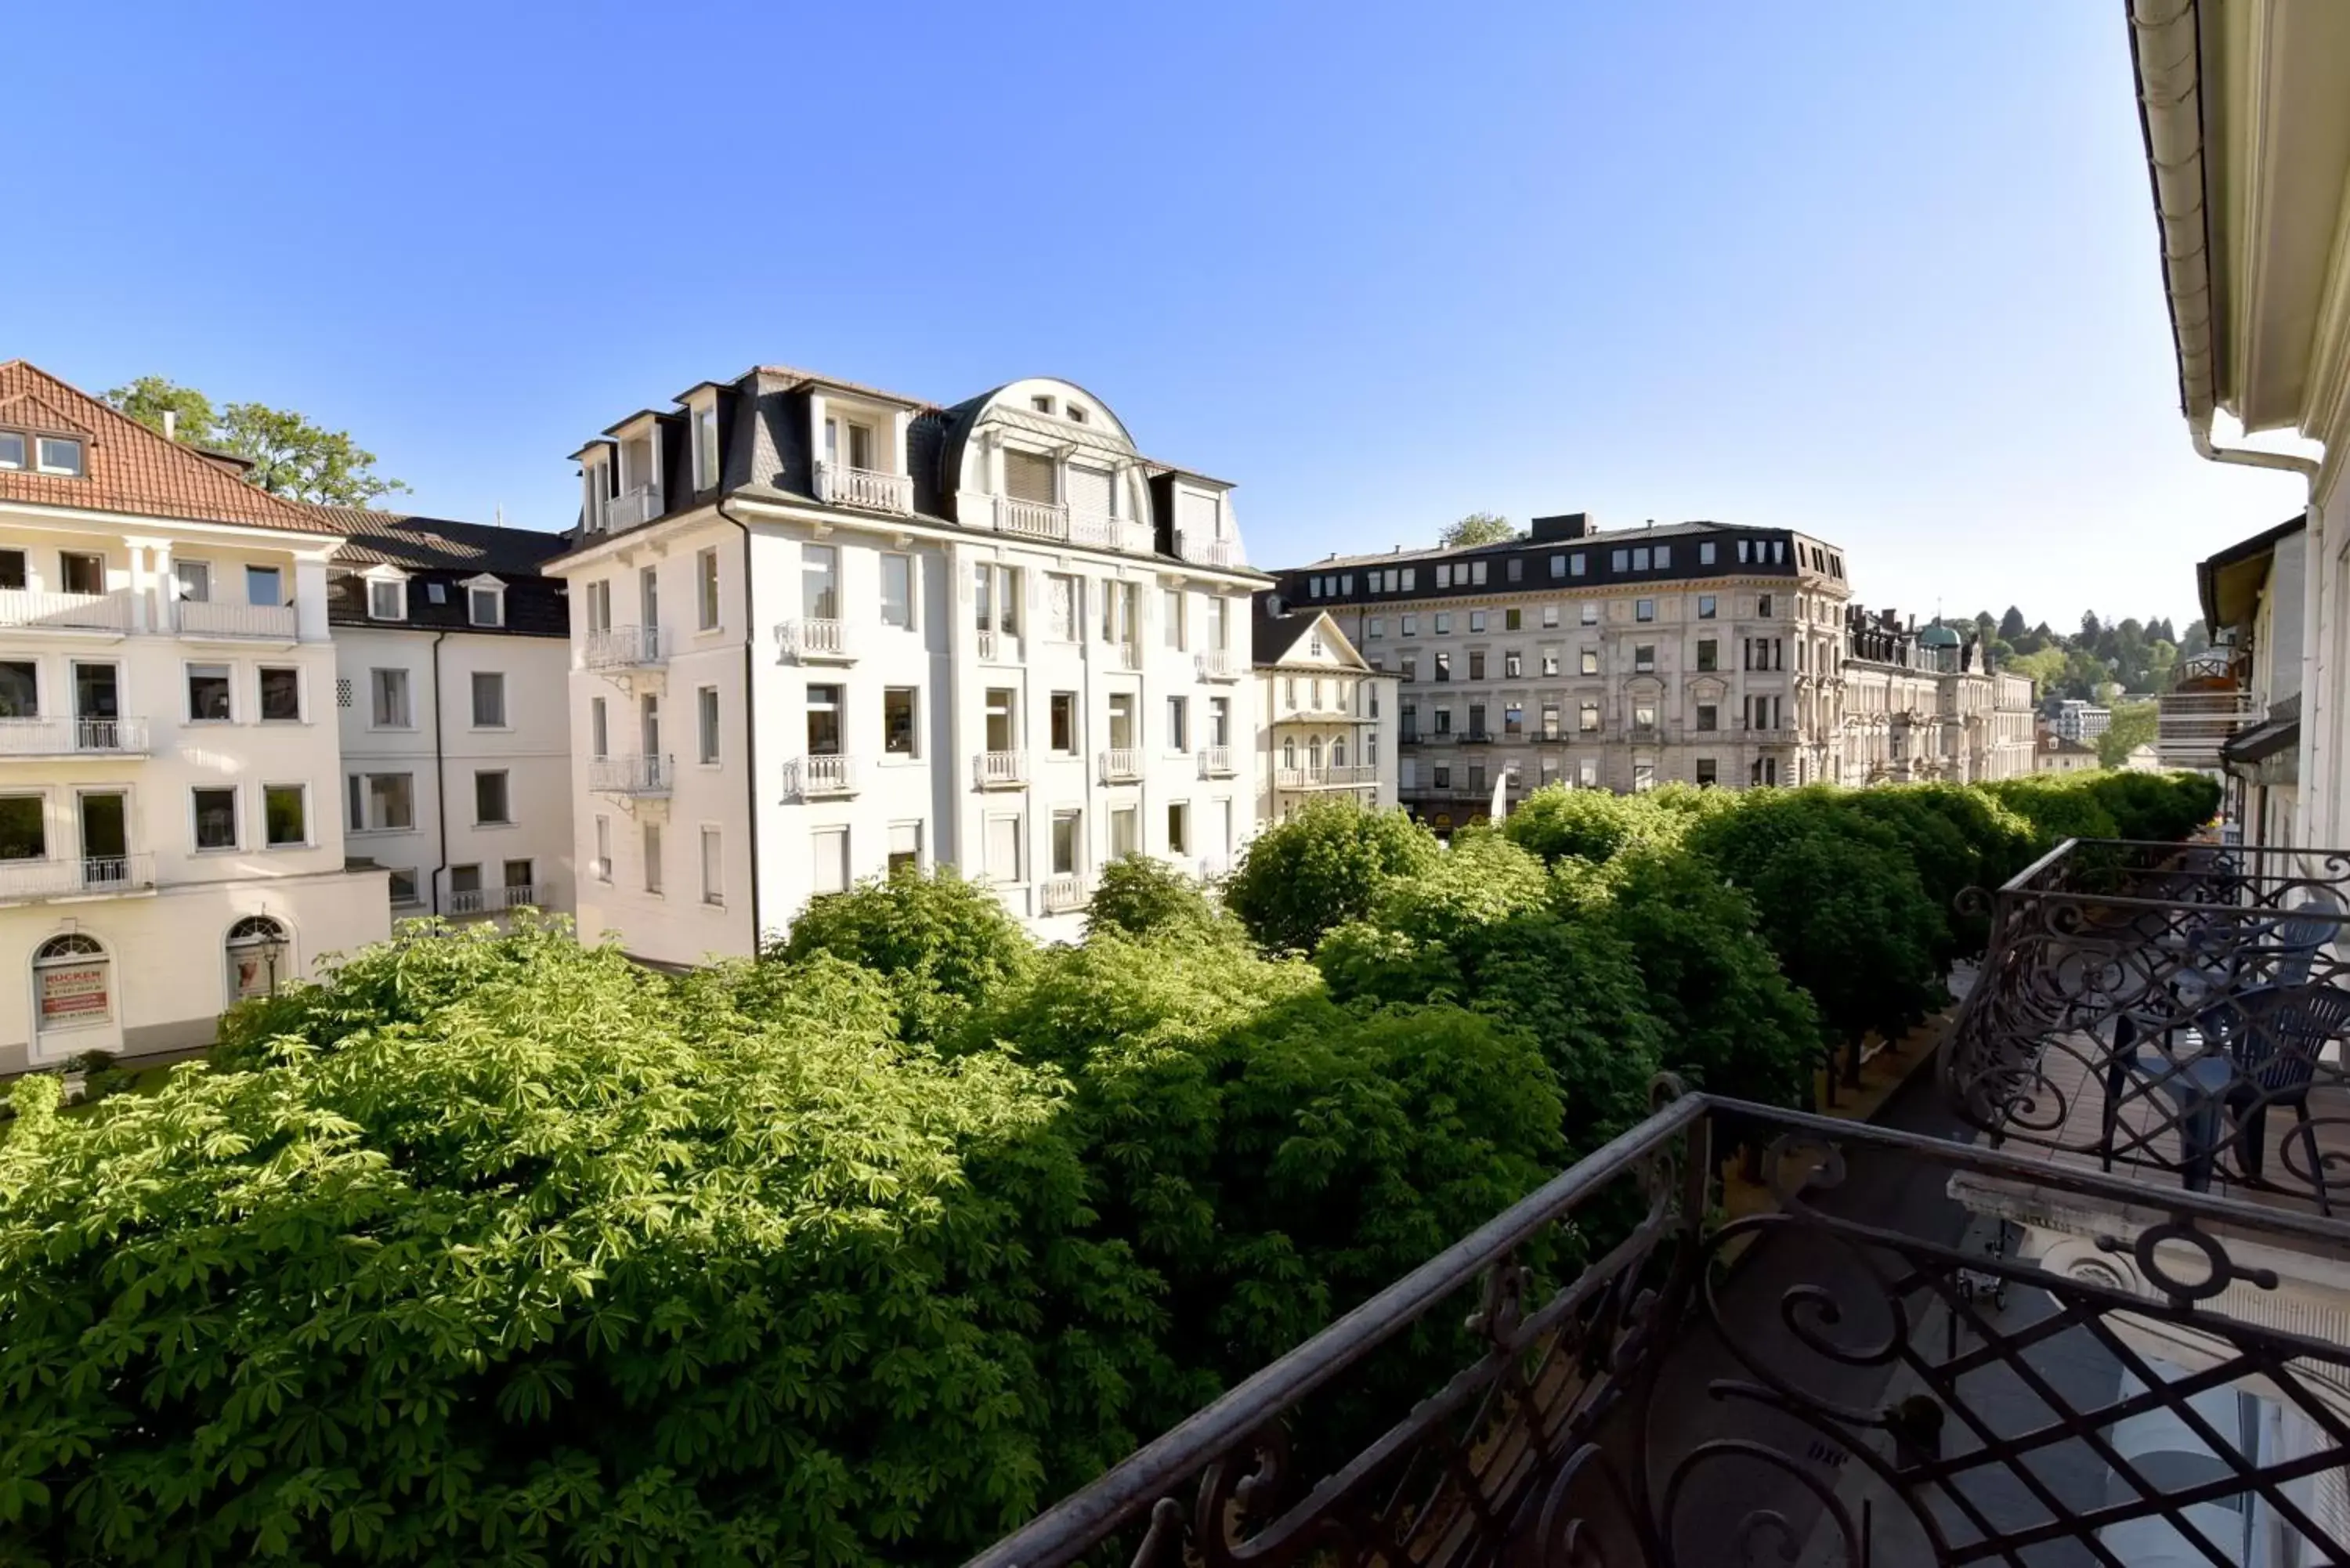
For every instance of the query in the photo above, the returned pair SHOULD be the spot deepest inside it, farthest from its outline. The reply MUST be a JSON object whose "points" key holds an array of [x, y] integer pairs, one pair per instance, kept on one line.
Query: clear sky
{"points": [[1883, 272]]}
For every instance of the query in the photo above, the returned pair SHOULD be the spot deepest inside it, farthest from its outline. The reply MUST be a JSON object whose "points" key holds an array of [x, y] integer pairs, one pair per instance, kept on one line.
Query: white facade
{"points": [[1327, 723], [774, 696], [168, 768]]}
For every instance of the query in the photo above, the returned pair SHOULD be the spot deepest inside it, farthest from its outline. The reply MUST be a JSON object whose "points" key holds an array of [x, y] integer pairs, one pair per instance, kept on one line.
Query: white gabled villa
{"points": [[820, 630]]}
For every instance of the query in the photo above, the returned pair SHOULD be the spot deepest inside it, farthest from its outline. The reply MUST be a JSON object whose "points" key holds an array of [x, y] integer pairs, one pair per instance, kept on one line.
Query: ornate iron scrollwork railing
{"points": [[2171, 1008], [1810, 1379]]}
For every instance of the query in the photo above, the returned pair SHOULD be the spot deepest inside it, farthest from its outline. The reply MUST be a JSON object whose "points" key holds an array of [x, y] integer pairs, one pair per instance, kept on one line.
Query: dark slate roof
{"points": [[439, 555]]}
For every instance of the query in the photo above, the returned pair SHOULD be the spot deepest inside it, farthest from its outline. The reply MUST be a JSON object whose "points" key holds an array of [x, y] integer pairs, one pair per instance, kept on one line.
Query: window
{"points": [[490, 806], [1443, 574], [60, 454], [1619, 560], [1549, 617], [1061, 623], [1067, 833], [1410, 670], [995, 598], [382, 803], [1477, 573], [705, 710], [600, 607], [208, 699], [1762, 606], [265, 587], [387, 596], [821, 582], [1517, 568], [1513, 665], [1586, 718], [403, 883], [1219, 624], [705, 590], [81, 573], [1644, 610], [1124, 832], [486, 604], [1178, 731], [599, 729], [1644, 658], [1644, 715], [1511, 619], [1178, 827], [1476, 721], [1705, 553], [705, 447], [215, 818], [898, 591], [1121, 721], [1590, 661], [23, 834], [1745, 548], [1171, 609], [898, 720], [1550, 721], [1410, 626], [1119, 608], [824, 721], [652, 842], [1590, 614], [20, 691], [1003, 848], [1441, 776], [12, 449], [905, 847], [603, 866], [489, 700], [1220, 720], [1443, 717], [1443, 624], [1477, 667], [1476, 620], [281, 693], [1001, 732], [1513, 718], [389, 690], [1709, 716], [1708, 653], [284, 816], [714, 867], [1705, 606], [1062, 713], [1707, 774], [1664, 557], [1641, 559]]}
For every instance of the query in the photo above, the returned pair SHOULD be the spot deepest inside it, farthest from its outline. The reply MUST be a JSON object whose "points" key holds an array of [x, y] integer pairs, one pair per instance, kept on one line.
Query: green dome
{"points": [[1937, 636]]}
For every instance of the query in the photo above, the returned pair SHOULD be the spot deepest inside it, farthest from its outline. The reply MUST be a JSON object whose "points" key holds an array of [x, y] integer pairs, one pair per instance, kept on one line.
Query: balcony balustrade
{"points": [[622, 648], [1059, 894], [1107, 532], [1215, 762], [2191, 726], [1000, 770], [815, 641], [1121, 764], [497, 900], [1126, 656], [819, 778], [26, 881], [1849, 1395], [999, 647], [630, 775], [1206, 550], [1032, 519], [73, 737], [208, 618], [34, 609], [630, 507], [1222, 664], [1060, 524], [863, 487], [1350, 776]]}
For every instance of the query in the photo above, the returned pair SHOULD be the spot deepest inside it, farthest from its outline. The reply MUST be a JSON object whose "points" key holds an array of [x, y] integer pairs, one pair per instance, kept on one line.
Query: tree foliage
{"points": [[286, 454], [947, 946], [2133, 726], [1326, 865], [1141, 895], [1477, 528]]}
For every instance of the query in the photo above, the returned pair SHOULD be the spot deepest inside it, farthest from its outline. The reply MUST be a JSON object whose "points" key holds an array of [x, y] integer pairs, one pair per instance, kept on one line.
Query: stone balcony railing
{"points": [[1000, 770], [863, 488], [819, 778], [1216, 761], [1121, 764], [1059, 894], [497, 900], [75, 876], [61, 737], [815, 640], [622, 648], [208, 618], [1221, 664], [35, 609], [630, 775], [2191, 726]]}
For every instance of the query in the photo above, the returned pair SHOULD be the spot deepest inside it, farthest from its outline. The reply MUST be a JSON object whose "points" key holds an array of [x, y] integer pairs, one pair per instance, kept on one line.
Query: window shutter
{"points": [[1089, 491], [1028, 476]]}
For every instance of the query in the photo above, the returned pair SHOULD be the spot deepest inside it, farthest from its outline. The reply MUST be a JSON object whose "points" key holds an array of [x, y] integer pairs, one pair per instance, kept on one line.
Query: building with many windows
{"points": [[1327, 722], [2077, 719], [1698, 652], [453, 658], [1923, 703], [169, 834], [820, 630]]}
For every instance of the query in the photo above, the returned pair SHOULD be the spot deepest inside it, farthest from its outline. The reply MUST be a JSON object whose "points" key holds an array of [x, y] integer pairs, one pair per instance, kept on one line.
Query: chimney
{"points": [[170, 425]]}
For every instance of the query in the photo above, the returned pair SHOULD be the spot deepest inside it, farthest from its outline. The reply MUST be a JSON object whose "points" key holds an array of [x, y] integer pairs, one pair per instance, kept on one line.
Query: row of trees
{"points": [[498, 1247], [284, 452]]}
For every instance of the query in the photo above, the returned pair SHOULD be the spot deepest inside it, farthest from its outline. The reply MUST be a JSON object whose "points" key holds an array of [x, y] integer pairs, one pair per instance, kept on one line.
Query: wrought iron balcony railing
{"points": [[2177, 1010], [1827, 1378]]}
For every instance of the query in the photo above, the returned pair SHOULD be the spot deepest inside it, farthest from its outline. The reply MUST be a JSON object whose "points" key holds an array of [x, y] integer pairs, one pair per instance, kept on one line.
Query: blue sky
{"points": [[1886, 273]]}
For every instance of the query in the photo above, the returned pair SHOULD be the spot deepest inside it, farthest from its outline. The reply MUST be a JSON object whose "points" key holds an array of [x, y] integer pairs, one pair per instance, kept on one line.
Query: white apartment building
{"points": [[1698, 652], [1922, 703], [2079, 719], [820, 630], [453, 666], [170, 839], [1327, 722]]}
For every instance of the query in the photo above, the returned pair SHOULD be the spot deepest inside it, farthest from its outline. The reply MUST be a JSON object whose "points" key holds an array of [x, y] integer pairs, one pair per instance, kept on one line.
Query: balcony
{"points": [[1060, 895], [31, 609], [819, 778], [1105, 533], [73, 737], [630, 775], [208, 618], [1347, 776], [497, 900], [1050, 520], [1205, 550], [815, 641], [1221, 664], [1850, 1394], [1000, 770], [1215, 762], [622, 648], [90, 877], [2190, 727], [630, 507], [1121, 764], [1477, 738], [999, 647], [863, 488], [2178, 1012], [1126, 656], [1032, 519]]}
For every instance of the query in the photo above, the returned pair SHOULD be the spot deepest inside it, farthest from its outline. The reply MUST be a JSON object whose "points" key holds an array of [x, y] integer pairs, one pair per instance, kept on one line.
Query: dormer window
{"points": [[486, 602], [12, 449], [705, 447], [1043, 405], [60, 454], [388, 598], [1076, 415]]}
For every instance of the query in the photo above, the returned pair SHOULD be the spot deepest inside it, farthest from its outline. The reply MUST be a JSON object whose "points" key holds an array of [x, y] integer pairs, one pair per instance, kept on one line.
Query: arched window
{"points": [[73, 982], [1338, 754], [1313, 752], [257, 955], [1289, 752]]}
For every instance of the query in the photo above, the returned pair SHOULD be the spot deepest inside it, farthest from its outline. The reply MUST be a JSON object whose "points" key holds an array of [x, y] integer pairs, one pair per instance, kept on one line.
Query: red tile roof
{"points": [[129, 468]]}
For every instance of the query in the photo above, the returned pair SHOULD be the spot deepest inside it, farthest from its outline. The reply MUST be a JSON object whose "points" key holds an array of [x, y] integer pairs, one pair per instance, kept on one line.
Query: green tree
{"points": [[2133, 726], [1477, 528], [287, 453], [1591, 824], [1140, 895], [2046, 666], [1326, 865], [2011, 625], [947, 946]]}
